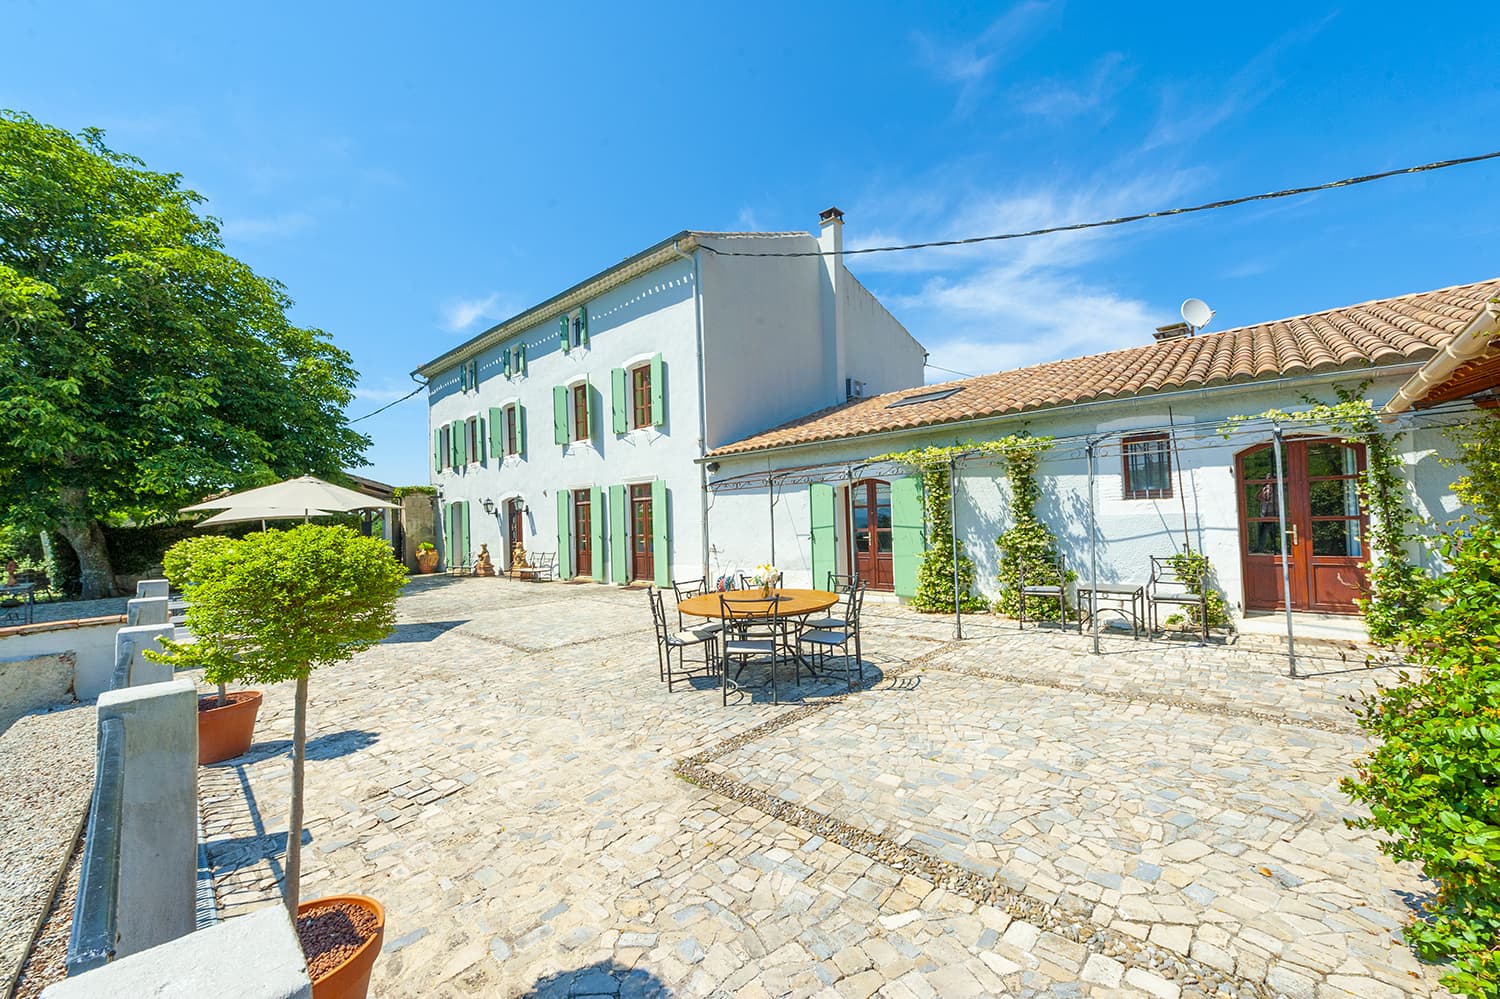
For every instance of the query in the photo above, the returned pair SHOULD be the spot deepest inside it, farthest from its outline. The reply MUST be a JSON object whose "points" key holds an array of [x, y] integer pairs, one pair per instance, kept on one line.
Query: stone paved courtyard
{"points": [[1008, 815]]}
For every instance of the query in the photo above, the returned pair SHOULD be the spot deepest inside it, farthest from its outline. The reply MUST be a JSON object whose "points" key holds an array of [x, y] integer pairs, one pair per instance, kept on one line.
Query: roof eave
{"points": [[649, 259], [1475, 340]]}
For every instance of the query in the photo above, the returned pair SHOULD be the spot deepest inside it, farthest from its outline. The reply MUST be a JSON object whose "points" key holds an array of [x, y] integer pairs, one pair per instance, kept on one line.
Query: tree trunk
{"points": [[292, 888], [86, 537]]}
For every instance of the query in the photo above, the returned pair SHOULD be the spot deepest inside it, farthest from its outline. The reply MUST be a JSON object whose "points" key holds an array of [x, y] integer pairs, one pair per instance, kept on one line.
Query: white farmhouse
{"points": [[577, 425], [1170, 467]]}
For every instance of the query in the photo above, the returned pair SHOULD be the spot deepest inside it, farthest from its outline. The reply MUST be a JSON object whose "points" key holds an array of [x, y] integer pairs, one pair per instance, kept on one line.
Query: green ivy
{"points": [[1027, 543], [1197, 574], [1395, 584], [1478, 443], [936, 571]]}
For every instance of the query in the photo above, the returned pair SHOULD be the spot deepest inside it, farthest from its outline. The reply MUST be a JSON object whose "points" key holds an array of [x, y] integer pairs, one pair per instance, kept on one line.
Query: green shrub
{"points": [[1433, 781], [1192, 567], [1028, 544]]}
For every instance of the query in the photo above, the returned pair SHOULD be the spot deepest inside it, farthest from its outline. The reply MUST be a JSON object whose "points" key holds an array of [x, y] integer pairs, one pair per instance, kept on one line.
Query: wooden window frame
{"points": [[640, 397], [1127, 488], [510, 434], [471, 439], [445, 447], [578, 411]]}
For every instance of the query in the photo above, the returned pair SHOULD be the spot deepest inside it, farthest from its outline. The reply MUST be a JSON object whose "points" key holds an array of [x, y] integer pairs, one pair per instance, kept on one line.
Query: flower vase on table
{"points": [[768, 576]]}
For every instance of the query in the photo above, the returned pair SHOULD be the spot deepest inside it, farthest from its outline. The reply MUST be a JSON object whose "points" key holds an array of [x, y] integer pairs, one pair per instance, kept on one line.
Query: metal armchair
{"points": [[668, 641]]}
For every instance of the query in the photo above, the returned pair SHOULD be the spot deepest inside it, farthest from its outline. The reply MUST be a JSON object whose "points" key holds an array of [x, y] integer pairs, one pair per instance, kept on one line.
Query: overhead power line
{"points": [[1122, 220], [388, 405]]}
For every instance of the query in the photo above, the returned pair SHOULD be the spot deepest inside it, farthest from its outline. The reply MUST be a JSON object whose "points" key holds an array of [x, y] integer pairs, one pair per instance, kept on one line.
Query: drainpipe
{"points": [[702, 404]]}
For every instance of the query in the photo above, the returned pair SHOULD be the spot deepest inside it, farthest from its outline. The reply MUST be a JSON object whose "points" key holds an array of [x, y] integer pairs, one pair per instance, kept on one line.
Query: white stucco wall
{"points": [[1129, 531], [653, 314], [877, 348]]}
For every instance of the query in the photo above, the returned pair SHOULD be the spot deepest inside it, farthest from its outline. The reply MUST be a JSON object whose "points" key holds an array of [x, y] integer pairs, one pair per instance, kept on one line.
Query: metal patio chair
{"points": [[1172, 588], [684, 588], [751, 630], [668, 641], [1047, 582], [838, 635]]}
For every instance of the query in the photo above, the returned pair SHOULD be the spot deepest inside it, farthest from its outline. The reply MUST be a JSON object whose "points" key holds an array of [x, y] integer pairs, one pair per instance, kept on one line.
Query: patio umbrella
{"points": [[306, 495], [246, 514]]}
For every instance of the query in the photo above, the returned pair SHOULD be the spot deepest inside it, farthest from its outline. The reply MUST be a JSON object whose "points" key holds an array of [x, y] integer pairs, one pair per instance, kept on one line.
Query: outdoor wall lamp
{"points": [[489, 505]]}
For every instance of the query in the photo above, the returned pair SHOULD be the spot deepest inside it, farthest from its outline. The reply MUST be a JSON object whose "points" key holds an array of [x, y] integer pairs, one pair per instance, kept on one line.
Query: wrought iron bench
{"points": [[539, 568]]}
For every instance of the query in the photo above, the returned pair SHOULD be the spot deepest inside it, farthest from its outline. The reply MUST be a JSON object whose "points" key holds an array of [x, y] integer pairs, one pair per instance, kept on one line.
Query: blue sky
{"points": [[413, 174]]}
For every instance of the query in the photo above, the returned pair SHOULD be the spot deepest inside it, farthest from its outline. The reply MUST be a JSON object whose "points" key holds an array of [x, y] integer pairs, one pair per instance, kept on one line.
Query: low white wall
{"points": [[252, 957], [32, 682], [91, 641]]}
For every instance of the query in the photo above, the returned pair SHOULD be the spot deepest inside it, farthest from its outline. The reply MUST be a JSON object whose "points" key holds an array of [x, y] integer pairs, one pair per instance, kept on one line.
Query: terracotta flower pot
{"points": [[226, 732], [427, 559], [350, 979]]}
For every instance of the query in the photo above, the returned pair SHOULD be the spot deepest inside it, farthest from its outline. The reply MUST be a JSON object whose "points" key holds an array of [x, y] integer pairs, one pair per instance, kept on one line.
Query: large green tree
{"points": [[141, 366]]}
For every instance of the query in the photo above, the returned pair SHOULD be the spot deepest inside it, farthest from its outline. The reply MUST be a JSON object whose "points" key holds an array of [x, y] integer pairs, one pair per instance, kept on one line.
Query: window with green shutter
{"points": [[582, 319], [620, 400], [437, 450], [456, 456], [497, 432], [658, 392], [661, 535], [560, 414]]}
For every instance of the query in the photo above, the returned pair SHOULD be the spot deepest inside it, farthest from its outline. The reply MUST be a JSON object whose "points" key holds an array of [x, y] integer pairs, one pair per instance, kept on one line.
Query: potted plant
{"points": [[271, 607], [226, 721], [427, 557]]}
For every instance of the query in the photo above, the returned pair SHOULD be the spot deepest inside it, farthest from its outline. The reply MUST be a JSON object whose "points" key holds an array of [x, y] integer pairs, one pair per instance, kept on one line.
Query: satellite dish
{"points": [[1196, 313]]}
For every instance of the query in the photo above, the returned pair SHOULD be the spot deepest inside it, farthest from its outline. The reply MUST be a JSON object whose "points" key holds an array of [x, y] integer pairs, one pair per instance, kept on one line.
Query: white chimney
{"points": [[835, 350]]}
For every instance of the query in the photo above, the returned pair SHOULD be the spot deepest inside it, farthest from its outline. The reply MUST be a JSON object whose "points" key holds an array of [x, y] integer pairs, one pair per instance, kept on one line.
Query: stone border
{"points": [[1055, 918]]}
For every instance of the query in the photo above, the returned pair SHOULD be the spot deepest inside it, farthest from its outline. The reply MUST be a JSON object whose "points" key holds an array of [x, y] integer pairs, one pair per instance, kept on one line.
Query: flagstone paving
{"points": [[1007, 815]]}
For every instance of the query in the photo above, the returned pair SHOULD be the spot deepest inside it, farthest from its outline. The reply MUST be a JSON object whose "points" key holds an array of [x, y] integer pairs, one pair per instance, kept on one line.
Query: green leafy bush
{"points": [[1433, 781], [1193, 567], [1028, 543]]}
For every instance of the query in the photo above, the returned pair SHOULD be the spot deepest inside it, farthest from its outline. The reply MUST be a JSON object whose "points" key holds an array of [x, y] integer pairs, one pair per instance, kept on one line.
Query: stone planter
{"points": [[427, 560]]}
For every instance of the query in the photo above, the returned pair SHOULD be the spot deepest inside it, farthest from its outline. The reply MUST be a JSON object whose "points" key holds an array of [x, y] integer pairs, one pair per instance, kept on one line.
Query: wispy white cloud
{"points": [[388, 392], [970, 63], [1184, 120], [1062, 99], [990, 306], [255, 229], [461, 313], [747, 221]]}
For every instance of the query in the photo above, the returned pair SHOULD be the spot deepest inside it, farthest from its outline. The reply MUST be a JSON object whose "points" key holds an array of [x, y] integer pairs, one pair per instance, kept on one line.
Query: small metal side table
{"points": [[18, 603], [1125, 599]]}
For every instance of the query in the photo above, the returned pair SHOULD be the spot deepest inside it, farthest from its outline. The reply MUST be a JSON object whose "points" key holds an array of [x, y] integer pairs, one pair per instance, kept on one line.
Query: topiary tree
{"points": [[274, 606]]}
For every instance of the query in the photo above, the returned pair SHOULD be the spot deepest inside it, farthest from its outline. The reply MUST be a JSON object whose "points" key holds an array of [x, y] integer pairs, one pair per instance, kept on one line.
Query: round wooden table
{"points": [[793, 603]]}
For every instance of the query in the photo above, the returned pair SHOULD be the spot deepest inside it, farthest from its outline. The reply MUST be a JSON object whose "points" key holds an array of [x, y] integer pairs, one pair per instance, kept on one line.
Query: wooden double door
{"points": [[870, 539], [1326, 528]]}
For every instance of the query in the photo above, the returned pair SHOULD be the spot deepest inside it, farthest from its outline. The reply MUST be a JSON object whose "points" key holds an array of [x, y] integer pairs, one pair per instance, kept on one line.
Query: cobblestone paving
{"points": [[1003, 816]]}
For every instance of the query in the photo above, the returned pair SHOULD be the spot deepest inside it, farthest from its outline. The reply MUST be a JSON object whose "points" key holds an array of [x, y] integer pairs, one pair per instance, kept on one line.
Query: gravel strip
{"points": [[47, 962], [47, 770]]}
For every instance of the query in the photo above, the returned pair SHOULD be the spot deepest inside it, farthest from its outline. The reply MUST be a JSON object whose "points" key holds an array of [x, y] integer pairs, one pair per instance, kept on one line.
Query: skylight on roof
{"points": [[913, 400]]}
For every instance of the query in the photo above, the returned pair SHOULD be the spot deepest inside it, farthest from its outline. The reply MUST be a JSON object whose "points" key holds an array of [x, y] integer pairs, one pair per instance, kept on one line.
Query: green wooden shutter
{"points": [[821, 502], [497, 431], [583, 325], [564, 535], [620, 400], [481, 440], [908, 533], [437, 450], [619, 538], [466, 547], [661, 535], [520, 430], [658, 395], [506, 355], [521, 350], [560, 414], [463, 377], [456, 442], [562, 332], [590, 408], [596, 529]]}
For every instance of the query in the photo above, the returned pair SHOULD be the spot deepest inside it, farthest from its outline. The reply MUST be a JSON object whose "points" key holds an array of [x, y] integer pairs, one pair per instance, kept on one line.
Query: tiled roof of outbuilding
{"points": [[1383, 332]]}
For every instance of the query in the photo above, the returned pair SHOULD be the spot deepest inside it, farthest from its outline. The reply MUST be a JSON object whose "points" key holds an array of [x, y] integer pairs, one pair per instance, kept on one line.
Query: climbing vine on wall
{"points": [[1395, 585], [935, 574], [1028, 546]]}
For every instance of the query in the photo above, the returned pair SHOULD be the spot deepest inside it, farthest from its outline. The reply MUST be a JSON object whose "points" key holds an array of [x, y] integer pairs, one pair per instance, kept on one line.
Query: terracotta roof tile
{"points": [[1389, 331]]}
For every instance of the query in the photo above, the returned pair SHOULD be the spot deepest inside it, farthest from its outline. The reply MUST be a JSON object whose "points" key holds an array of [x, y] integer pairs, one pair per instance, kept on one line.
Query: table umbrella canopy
{"points": [[246, 514], [307, 495]]}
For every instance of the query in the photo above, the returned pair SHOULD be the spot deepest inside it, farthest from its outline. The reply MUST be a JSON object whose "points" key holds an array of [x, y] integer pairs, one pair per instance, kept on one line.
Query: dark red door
{"points": [[513, 523], [869, 518], [1325, 527], [642, 566], [583, 544]]}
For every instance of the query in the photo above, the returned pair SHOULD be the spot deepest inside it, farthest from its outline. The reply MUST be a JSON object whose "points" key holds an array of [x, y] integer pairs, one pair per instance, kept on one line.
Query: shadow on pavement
{"points": [[605, 978]]}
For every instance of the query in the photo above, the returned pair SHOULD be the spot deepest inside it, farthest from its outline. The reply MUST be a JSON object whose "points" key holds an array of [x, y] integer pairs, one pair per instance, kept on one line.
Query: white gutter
{"points": [[1472, 342]]}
